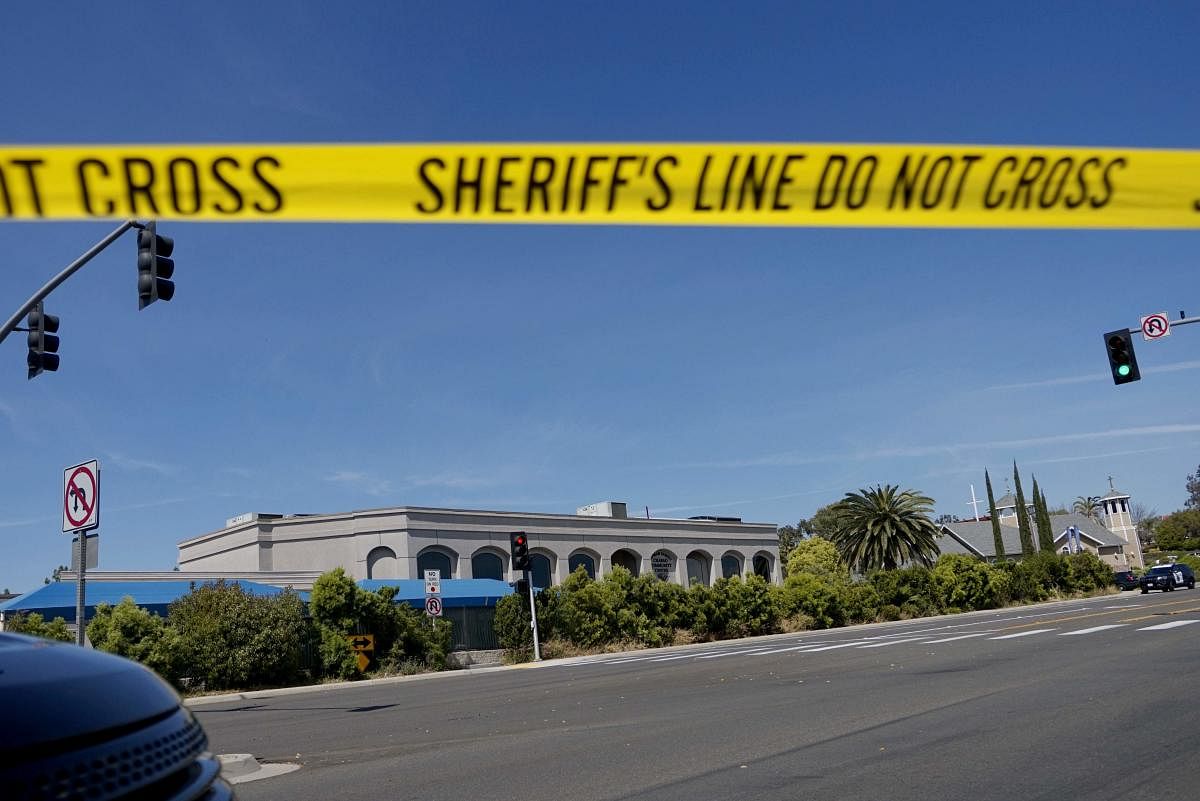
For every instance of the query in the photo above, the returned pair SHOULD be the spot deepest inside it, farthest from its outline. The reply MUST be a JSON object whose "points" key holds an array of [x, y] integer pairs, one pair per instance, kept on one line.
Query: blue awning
{"points": [[57, 599], [455, 592]]}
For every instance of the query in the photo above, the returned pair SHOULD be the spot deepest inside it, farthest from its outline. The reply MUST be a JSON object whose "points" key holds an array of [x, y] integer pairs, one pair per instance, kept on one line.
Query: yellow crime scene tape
{"points": [[827, 185]]}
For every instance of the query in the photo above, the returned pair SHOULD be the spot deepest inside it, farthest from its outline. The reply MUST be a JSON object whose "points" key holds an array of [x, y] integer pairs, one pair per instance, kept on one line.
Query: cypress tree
{"points": [[999, 541], [1044, 520], [1045, 537], [1022, 517]]}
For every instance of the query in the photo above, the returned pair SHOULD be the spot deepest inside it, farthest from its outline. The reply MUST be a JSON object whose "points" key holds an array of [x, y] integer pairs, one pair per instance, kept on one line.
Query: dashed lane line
{"points": [[963, 637], [1020, 634], [1092, 630], [1174, 624]]}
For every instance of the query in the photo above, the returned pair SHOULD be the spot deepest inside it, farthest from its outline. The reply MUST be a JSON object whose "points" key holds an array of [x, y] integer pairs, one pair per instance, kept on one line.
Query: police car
{"points": [[1167, 578]]}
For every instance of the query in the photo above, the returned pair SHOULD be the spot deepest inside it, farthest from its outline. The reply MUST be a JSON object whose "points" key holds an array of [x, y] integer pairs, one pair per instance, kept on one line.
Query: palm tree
{"points": [[1086, 505], [886, 527]]}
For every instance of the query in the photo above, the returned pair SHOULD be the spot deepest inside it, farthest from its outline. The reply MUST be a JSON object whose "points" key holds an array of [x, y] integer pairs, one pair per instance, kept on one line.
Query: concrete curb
{"points": [[206, 700]]}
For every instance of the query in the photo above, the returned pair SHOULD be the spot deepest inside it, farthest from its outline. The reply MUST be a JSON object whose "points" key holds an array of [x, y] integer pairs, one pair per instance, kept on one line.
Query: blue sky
{"points": [[758, 373]]}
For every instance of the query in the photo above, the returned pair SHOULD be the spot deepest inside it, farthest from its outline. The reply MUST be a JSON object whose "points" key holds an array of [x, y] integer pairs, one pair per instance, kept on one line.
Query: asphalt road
{"points": [[1075, 700]]}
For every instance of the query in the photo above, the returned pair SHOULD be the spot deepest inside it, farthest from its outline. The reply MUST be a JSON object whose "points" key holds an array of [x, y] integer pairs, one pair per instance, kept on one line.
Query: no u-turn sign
{"points": [[81, 497]]}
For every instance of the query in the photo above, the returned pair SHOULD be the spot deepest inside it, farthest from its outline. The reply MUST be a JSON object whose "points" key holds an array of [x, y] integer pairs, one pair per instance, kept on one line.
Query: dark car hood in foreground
{"points": [[53, 691]]}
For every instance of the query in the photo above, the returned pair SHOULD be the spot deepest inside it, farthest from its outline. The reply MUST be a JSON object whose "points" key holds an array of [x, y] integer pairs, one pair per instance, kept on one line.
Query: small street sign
{"points": [[1156, 326], [362, 644], [433, 582], [81, 497], [433, 606]]}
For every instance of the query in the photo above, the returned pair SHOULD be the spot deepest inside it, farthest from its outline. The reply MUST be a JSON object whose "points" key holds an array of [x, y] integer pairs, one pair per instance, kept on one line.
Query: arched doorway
{"points": [[627, 559], [487, 565], [762, 566], [698, 571], [540, 570], [435, 560], [585, 560], [731, 565], [381, 563]]}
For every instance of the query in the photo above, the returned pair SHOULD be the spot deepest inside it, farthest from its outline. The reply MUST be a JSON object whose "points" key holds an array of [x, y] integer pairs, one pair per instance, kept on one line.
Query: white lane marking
{"points": [[1123, 606], [963, 636], [781, 650], [682, 656], [891, 642], [1092, 630], [728, 653], [1020, 634], [1174, 624], [831, 647]]}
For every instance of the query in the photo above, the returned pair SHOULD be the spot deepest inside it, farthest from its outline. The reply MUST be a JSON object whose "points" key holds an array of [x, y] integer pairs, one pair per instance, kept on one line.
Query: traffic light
{"points": [[518, 545], [154, 268], [1121, 360], [43, 344]]}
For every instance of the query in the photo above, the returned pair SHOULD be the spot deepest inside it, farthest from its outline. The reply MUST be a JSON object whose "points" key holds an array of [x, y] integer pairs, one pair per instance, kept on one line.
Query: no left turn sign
{"points": [[1156, 326], [81, 497]]}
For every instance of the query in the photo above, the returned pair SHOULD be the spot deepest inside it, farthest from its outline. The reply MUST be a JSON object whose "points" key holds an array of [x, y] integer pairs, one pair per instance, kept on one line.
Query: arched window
{"points": [[628, 560], [540, 569], [697, 568], [663, 565], [584, 560], [731, 566], [487, 565], [762, 566], [381, 563], [434, 560]]}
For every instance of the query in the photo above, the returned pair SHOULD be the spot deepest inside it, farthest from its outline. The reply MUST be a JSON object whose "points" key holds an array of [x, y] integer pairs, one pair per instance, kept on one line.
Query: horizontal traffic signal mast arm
{"points": [[70, 270]]}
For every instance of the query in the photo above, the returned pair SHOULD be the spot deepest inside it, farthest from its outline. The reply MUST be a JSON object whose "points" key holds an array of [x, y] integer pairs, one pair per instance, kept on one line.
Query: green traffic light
{"points": [[1123, 370]]}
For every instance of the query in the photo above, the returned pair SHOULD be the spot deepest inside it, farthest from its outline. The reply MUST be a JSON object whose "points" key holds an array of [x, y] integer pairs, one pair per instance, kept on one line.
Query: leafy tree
{"points": [[33, 624], [817, 556], [997, 540], [1044, 526], [1193, 490], [1179, 531], [1145, 519], [826, 521], [1022, 516], [789, 537], [1086, 505], [229, 638], [55, 574], [885, 527], [130, 631]]}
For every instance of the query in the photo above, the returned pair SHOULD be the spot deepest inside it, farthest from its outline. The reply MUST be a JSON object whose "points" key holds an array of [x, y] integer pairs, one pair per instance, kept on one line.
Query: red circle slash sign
{"points": [[77, 501]]}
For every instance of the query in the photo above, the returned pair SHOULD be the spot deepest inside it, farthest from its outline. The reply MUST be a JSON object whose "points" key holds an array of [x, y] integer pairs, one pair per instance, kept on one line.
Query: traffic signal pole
{"points": [[537, 651], [71, 269]]}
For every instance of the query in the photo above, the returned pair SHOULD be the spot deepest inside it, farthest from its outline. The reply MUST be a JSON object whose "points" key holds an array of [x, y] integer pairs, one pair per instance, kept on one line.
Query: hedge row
{"points": [[220, 637], [644, 611]]}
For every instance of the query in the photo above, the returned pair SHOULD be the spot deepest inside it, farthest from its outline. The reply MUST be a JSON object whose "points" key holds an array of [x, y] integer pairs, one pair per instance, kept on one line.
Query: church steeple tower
{"points": [[1118, 519]]}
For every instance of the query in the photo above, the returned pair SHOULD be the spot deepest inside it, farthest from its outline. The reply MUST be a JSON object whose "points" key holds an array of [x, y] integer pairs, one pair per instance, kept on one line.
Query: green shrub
{"points": [[227, 638], [337, 659], [821, 599], [909, 586], [962, 582], [132, 632], [889, 612], [1086, 572], [861, 603], [736, 608], [33, 624]]}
